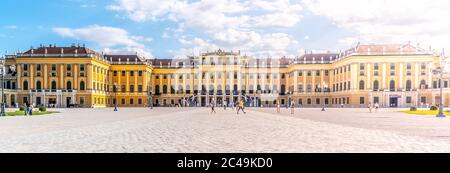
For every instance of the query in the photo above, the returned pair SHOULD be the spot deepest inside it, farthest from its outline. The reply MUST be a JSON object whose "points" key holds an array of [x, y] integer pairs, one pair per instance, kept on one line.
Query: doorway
{"points": [[393, 102], [68, 102]]}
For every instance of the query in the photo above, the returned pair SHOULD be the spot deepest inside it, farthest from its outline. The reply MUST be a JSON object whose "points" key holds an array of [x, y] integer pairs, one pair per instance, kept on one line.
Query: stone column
{"points": [[383, 83], [45, 77]]}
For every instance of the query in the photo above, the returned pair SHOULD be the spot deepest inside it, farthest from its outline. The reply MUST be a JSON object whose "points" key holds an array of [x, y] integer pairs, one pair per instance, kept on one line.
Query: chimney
{"points": [[62, 50], [32, 51]]}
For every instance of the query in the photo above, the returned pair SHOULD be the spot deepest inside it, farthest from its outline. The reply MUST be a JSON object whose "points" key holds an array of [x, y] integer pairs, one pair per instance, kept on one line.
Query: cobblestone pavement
{"points": [[195, 130]]}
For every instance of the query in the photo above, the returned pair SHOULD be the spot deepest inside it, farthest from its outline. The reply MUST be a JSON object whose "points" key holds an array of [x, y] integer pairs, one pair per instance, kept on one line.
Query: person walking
{"points": [[31, 110], [370, 107], [376, 107], [212, 108], [292, 107], [278, 107], [241, 107], [225, 104]]}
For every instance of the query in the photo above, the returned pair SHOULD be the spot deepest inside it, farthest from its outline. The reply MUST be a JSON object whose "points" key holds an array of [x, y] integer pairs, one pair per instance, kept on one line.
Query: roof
{"points": [[123, 58], [388, 49], [326, 57], [60, 50]]}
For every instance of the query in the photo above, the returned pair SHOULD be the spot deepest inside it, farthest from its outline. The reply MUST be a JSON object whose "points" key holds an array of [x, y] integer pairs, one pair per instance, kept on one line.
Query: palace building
{"points": [[393, 75]]}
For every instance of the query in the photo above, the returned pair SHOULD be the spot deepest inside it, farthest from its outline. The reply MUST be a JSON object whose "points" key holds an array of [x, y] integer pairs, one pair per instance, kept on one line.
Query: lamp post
{"points": [[440, 71], [323, 94], [2, 72], [115, 95]]}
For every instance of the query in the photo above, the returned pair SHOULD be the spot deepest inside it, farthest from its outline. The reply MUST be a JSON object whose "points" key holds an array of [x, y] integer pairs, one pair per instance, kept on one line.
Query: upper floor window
{"points": [[392, 69], [53, 67], [423, 68], [81, 67], [139, 73], [361, 69], [25, 67]]}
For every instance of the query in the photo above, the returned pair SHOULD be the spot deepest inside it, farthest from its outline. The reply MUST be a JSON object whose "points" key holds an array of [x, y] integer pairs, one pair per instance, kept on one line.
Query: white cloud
{"points": [[234, 24], [388, 21], [11, 27], [108, 38]]}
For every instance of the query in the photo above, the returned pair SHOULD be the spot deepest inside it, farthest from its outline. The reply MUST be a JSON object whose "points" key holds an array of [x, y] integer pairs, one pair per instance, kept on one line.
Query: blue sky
{"points": [[175, 28]]}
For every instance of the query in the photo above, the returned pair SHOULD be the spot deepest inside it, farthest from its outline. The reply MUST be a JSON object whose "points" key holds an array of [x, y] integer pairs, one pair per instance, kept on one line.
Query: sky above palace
{"points": [[260, 28]]}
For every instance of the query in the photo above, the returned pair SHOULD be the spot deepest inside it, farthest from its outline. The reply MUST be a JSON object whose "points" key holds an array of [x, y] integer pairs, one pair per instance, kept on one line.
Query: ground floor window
{"points": [[140, 101], [114, 101], [343, 100], [172, 102], [309, 101], [348, 100], [109, 101], [408, 100], [376, 100], [25, 100], [326, 101], [300, 101], [282, 101], [123, 101], [361, 100], [318, 101], [82, 100], [423, 100], [131, 101], [38, 100]]}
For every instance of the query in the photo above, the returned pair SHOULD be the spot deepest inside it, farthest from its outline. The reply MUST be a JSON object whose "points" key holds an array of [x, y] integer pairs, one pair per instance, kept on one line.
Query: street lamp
{"points": [[115, 94], [2, 72], [440, 70]]}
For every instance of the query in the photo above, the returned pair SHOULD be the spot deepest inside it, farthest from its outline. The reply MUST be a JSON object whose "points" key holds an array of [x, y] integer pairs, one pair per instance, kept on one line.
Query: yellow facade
{"points": [[391, 75]]}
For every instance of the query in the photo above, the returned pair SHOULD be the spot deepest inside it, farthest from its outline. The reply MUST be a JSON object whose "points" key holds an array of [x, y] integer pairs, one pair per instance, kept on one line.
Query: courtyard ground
{"points": [[196, 130]]}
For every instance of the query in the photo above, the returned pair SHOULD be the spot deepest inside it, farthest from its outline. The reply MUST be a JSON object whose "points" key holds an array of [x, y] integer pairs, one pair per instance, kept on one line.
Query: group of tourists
{"points": [[241, 106], [376, 106], [291, 106], [28, 109]]}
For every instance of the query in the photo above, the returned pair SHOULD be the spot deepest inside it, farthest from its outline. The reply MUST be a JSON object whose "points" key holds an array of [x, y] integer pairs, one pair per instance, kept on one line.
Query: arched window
{"points": [[375, 85], [219, 87], [227, 87], [203, 88], [361, 85], [53, 85], [392, 85], [82, 86], [283, 89], [408, 85], [423, 84], [164, 89], [38, 85], [157, 91], [211, 88], [180, 88], [25, 85], [69, 85], [188, 87]]}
